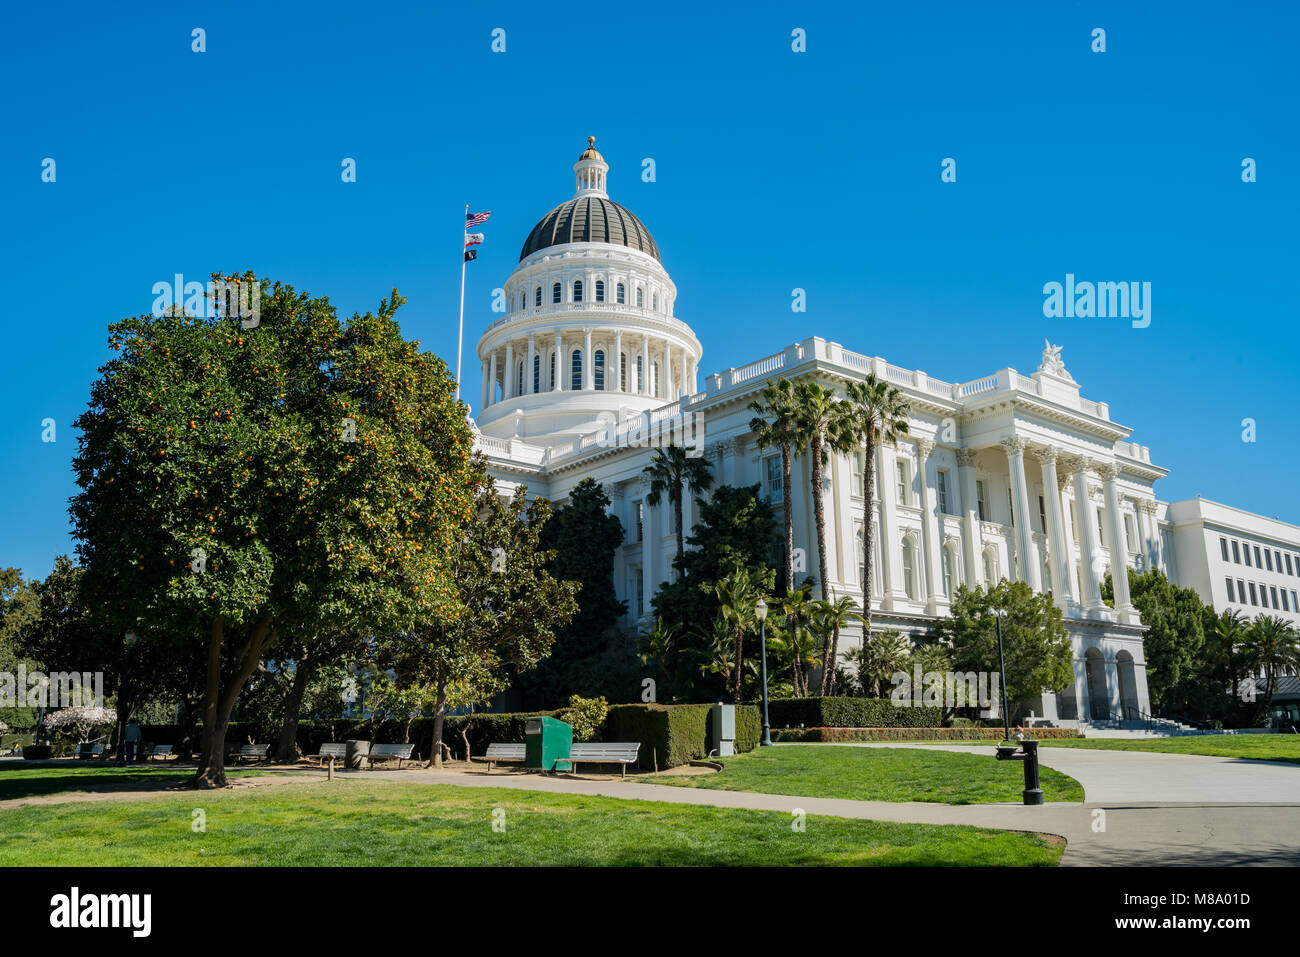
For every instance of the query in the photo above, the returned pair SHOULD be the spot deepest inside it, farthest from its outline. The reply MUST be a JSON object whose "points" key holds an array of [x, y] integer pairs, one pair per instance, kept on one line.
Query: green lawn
{"points": [[322, 823], [19, 780], [878, 774]]}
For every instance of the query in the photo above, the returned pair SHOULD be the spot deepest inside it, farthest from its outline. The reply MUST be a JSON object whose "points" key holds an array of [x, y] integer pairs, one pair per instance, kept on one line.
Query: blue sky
{"points": [[775, 170]]}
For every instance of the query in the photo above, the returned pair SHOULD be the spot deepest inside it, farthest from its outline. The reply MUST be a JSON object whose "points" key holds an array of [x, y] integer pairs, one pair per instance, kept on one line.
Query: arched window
{"points": [[622, 372], [576, 378], [577, 290], [523, 301], [537, 298], [537, 369], [598, 369], [622, 294], [555, 292], [640, 298], [600, 290]]}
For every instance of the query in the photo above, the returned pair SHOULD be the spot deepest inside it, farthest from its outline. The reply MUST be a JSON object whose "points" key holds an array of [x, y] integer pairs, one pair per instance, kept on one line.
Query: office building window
{"points": [[775, 487], [1272, 590], [1285, 606], [1253, 600], [1258, 563], [1268, 559], [1236, 554], [1288, 564], [1246, 549], [1230, 593]]}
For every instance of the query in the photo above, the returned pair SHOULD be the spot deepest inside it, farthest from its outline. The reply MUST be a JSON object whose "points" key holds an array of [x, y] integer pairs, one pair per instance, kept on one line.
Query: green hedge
{"points": [[836, 712], [833, 735]]}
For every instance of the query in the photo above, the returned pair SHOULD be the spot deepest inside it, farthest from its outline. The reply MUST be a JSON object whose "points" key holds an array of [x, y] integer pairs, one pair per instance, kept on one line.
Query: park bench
{"points": [[502, 753], [89, 751], [160, 751], [262, 752], [620, 753], [338, 750], [390, 752]]}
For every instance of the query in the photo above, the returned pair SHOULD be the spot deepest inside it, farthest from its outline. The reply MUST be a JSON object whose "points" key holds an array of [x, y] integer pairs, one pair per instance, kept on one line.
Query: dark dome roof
{"points": [[589, 219]]}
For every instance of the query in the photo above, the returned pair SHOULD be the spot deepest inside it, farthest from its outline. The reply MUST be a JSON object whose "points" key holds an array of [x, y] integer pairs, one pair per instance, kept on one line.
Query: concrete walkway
{"points": [[1126, 833]]}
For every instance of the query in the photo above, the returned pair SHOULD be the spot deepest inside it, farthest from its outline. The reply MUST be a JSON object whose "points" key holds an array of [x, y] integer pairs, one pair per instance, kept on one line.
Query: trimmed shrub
{"points": [[835, 712], [848, 735]]}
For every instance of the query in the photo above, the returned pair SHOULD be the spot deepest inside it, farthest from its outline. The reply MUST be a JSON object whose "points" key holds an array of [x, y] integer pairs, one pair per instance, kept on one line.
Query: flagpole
{"points": [[460, 325]]}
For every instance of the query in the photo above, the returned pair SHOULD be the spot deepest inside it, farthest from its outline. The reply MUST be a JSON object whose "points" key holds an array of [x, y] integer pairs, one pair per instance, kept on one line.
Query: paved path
{"points": [[1133, 833], [1151, 777]]}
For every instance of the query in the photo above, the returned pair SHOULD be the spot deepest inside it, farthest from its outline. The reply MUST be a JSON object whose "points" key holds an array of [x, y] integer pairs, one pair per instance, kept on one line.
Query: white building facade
{"points": [[1003, 476]]}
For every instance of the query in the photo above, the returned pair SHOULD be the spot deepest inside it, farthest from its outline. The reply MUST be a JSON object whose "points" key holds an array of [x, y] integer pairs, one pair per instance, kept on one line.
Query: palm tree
{"points": [[833, 616], [821, 422], [775, 424], [880, 656], [878, 414], [672, 470], [737, 600], [796, 639], [1230, 630], [1271, 647]]}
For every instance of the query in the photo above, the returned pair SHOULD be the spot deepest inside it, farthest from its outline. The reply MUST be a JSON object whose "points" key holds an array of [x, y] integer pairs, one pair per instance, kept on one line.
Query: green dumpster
{"points": [[547, 741]]}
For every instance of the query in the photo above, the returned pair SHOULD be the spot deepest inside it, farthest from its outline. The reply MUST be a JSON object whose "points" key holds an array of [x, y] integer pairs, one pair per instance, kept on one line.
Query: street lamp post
{"points": [[998, 615], [760, 612]]}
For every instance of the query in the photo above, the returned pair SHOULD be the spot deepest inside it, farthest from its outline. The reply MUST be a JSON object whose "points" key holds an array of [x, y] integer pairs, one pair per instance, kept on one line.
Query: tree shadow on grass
{"points": [[89, 779]]}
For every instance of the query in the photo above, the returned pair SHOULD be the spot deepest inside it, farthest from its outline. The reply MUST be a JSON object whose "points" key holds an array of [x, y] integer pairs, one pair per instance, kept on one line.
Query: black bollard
{"points": [[1033, 793]]}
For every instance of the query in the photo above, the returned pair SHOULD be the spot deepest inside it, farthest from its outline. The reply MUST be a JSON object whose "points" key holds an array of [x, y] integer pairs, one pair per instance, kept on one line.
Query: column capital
{"points": [[924, 447], [1108, 471], [1014, 444], [1073, 464], [965, 457], [1147, 505], [1047, 455]]}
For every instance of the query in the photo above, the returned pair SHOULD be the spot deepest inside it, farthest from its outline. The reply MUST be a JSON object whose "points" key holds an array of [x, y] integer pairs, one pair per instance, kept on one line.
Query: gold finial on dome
{"points": [[591, 141]]}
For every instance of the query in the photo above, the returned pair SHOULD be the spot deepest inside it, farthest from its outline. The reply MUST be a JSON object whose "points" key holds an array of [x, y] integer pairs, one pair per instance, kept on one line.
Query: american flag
{"points": [[475, 219]]}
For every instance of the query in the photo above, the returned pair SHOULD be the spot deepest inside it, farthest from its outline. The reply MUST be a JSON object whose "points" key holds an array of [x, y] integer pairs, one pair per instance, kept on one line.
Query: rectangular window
{"points": [[902, 482], [858, 480], [1223, 547], [1272, 589], [1042, 514], [1236, 555], [1229, 583], [1277, 557], [979, 496], [775, 487], [1258, 563], [1268, 559], [1295, 603], [1246, 549], [1285, 607], [1253, 599], [941, 490], [1241, 592], [640, 521], [1288, 564]]}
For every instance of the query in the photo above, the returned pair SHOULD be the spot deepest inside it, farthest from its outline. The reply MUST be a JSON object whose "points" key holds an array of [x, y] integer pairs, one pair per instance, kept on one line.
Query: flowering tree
{"points": [[80, 721]]}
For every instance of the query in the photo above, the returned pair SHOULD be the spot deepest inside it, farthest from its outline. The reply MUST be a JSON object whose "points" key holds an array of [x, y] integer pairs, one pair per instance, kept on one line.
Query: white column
{"points": [[528, 369], [972, 545], [841, 521], [645, 365], [891, 542], [508, 386], [1028, 554], [617, 385], [558, 384], [483, 391], [695, 369], [929, 527], [1057, 550], [492, 379], [1089, 546], [1118, 544], [588, 366]]}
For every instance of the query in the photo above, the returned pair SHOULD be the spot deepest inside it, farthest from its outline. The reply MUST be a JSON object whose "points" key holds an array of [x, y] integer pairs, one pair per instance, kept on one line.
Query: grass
{"points": [[378, 823], [878, 774], [18, 780]]}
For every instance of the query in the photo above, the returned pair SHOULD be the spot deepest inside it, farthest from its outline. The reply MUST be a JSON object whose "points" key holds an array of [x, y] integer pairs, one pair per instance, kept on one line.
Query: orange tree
{"points": [[238, 485]]}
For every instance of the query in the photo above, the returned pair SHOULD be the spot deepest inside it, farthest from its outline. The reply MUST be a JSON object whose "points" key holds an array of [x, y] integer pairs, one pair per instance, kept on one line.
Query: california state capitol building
{"points": [[1005, 475]]}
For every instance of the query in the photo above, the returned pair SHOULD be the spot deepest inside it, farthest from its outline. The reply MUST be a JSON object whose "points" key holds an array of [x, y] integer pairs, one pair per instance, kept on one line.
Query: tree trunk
{"points": [[819, 514], [286, 749], [789, 519], [439, 715], [868, 530], [677, 518], [834, 656], [740, 647], [218, 703]]}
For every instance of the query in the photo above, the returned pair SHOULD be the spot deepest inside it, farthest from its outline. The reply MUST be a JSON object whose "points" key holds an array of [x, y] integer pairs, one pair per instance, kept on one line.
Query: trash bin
{"points": [[722, 725], [356, 750], [546, 741]]}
